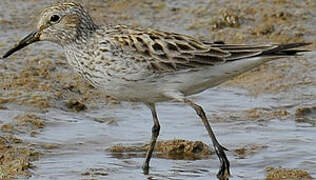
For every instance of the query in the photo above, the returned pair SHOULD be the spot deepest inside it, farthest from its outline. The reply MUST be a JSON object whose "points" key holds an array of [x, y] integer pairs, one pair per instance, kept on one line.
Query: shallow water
{"points": [[82, 137], [81, 140]]}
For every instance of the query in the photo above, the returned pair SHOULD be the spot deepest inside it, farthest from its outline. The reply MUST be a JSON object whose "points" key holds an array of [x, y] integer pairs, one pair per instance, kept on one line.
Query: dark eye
{"points": [[54, 18]]}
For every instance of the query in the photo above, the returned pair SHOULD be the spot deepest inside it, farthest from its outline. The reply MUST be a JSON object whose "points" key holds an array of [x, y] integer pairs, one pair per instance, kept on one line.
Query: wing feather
{"points": [[166, 51]]}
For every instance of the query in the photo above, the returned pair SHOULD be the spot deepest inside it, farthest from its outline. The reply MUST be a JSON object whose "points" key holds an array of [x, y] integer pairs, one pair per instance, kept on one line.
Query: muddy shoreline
{"points": [[50, 116]]}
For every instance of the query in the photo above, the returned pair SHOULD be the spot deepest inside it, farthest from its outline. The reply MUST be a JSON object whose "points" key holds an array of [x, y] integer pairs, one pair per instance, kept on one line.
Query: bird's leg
{"points": [[223, 172], [155, 133]]}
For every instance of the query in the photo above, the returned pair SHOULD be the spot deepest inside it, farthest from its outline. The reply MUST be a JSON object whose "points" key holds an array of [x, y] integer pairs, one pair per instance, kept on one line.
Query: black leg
{"points": [[155, 133], [223, 172]]}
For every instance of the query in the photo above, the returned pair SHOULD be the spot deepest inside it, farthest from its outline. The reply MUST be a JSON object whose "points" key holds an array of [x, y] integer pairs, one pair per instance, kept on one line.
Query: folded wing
{"points": [[167, 52]]}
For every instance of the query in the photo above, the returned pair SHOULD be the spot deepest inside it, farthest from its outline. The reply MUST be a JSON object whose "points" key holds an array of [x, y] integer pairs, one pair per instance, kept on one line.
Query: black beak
{"points": [[31, 38]]}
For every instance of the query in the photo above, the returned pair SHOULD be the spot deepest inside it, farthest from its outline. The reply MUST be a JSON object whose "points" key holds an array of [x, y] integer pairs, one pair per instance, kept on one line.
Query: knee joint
{"points": [[199, 110], [156, 129]]}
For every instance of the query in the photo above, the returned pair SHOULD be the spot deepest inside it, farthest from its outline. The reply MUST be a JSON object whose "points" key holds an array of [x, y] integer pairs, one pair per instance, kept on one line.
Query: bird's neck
{"points": [[85, 30], [78, 36]]}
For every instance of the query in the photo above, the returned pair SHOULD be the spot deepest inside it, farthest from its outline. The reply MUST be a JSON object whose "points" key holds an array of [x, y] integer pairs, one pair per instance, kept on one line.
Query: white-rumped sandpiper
{"points": [[146, 65]]}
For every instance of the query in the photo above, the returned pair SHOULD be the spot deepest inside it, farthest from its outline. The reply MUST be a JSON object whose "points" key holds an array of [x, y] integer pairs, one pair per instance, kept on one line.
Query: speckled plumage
{"points": [[146, 65], [143, 65]]}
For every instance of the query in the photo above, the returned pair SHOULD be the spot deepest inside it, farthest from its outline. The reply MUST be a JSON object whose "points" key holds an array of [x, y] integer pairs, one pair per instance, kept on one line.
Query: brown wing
{"points": [[170, 51], [240, 51]]}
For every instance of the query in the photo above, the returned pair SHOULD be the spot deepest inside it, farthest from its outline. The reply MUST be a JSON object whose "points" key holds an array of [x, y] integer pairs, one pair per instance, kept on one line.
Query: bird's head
{"points": [[61, 23]]}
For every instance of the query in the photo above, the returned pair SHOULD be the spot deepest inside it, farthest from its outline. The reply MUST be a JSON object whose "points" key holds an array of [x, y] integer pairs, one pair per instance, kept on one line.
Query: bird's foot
{"points": [[145, 168], [223, 173]]}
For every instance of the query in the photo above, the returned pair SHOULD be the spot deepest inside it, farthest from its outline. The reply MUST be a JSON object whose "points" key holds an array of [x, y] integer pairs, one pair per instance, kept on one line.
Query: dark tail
{"points": [[286, 49]]}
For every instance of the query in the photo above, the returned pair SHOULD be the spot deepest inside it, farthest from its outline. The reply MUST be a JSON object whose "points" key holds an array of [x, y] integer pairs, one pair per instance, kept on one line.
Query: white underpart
{"points": [[186, 82]]}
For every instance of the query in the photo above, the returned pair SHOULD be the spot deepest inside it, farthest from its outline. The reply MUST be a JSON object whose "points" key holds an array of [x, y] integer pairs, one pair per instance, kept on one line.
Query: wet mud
{"points": [[53, 124], [277, 173], [171, 149], [16, 158]]}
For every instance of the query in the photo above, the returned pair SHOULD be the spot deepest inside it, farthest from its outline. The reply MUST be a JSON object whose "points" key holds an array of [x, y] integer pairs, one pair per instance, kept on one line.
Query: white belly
{"points": [[188, 82]]}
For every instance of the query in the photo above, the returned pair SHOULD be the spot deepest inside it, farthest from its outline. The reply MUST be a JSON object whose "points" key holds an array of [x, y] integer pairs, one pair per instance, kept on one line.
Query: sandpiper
{"points": [[146, 65]]}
